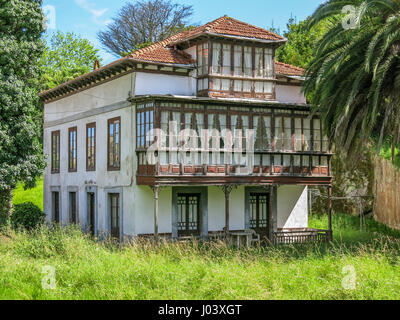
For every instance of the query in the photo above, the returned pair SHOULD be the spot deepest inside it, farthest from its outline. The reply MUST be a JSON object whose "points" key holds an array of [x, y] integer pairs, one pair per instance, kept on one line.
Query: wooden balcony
{"points": [[211, 174]]}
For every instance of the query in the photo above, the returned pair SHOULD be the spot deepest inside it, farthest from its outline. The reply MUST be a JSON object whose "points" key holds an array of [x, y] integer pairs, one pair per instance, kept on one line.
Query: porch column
{"points": [[156, 189], [330, 213], [227, 191]]}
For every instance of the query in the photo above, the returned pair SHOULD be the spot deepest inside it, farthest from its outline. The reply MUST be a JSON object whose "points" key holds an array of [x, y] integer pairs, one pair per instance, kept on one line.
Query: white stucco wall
{"points": [[289, 94], [99, 96], [101, 177], [292, 207], [152, 83]]}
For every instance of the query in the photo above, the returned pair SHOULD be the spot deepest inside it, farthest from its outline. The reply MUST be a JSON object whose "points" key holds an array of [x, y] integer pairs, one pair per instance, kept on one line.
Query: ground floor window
{"points": [[56, 207], [91, 212], [259, 212], [188, 214], [114, 214], [73, 213]]}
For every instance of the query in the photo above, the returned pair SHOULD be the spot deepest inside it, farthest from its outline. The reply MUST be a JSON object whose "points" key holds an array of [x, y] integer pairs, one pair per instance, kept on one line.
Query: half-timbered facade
{"points": [[202, 134]]}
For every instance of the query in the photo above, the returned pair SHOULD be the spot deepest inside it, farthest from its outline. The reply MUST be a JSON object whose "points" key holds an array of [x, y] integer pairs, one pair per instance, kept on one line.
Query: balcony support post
{"points": [[156, 193], [330, 213]]}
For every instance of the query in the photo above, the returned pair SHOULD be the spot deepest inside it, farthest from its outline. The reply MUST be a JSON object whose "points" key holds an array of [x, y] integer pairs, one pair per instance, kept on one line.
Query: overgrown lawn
{"points": [[91, 270]]}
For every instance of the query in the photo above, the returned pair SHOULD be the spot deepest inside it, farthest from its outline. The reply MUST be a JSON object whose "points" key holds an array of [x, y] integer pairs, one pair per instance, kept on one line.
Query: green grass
{"points": [[34, 195], [90, 270]]}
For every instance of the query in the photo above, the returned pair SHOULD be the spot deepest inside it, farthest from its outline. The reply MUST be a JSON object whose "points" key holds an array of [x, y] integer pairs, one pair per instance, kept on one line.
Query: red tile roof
{"points": [[163, 51], [287, 69], [232, 27]]}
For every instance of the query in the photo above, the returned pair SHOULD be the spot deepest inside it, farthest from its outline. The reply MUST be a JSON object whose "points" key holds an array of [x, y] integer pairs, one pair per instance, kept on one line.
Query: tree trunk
{"points": [[5, 205]]}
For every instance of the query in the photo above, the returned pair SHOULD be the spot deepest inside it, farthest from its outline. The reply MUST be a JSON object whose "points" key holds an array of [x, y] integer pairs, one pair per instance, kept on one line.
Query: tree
{"points": [[66, 57], [21, 156], [355, 73], [143, 23], [299, 49]]}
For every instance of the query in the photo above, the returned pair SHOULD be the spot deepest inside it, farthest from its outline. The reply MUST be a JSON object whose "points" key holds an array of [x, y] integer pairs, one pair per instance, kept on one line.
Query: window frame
{"points": [[112, 167], [56, 133], [73, 169], [91, 126]]}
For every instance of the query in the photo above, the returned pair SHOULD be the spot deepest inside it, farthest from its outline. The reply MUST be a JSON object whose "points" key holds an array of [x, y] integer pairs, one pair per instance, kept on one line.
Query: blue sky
{"points": [[87, 17]]}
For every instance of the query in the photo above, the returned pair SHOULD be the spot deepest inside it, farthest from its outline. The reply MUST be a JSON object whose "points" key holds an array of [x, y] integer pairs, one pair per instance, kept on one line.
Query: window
{"points": [[317, 134], [202, 59], [73, 212], [55, 152], [72, 149], [217, 58], [238, 58], [262, 132], [307, 134], [114, 144], [91, 147], [248, 65], [114, 214], [56, 206], [298, 135], [226, 59], [144, 127], [268, 63], [283, 133]]}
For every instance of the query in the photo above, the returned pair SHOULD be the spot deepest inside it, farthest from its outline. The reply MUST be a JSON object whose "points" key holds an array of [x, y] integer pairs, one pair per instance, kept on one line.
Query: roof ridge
{"points": [[254, 26]]}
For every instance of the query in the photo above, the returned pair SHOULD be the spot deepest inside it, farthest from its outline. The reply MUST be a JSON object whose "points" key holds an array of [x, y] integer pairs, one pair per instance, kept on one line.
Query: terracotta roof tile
{"points": [[288, 69], [163, 51]]}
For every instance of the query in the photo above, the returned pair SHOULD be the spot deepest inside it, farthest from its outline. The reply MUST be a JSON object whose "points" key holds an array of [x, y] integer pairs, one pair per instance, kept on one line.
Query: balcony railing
{"points": [[301, 236]]}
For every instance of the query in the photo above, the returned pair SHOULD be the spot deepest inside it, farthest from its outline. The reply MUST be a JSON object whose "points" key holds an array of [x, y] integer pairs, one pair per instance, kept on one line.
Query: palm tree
{"points": [[354, 78]]}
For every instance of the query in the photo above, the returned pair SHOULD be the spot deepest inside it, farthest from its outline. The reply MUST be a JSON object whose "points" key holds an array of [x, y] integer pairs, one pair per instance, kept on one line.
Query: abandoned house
{"points": [[220, 79]]}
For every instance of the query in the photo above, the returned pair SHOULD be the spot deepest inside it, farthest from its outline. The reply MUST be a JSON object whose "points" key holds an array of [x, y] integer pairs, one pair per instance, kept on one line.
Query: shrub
{"points": [[27, 215]]}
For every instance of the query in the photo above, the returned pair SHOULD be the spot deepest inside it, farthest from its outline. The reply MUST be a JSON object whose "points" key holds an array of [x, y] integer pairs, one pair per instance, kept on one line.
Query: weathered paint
{"points": [[289, 94]]}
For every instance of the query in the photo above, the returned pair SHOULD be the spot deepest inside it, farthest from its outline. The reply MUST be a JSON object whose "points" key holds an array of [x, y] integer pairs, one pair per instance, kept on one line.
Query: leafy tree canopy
{"points": [[66, 57], [355, 73], [21, 159], [301, 43]]}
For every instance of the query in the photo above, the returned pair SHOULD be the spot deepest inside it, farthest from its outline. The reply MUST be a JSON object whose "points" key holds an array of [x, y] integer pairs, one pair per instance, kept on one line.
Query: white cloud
{"points": [[90, 7]]}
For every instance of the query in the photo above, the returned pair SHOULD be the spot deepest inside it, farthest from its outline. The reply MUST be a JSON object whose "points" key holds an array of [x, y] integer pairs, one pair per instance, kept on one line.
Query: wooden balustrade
{"points": [[301, 236]]}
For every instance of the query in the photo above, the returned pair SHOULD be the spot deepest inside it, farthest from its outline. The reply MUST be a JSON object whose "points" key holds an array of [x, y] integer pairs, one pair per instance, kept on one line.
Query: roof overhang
{"points": [[227, 36], [111, 71]]}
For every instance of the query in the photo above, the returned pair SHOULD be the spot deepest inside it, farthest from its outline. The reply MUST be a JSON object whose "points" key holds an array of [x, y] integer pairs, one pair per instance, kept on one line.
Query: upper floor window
{"points": [[246, 59], [144, 126], [91, 147], [55, 152], [72, 149], [114, 144], [202, 59]]}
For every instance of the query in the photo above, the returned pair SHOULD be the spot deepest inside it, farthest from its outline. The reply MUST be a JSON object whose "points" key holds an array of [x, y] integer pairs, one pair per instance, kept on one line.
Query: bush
{"points": [[27, 215]]}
